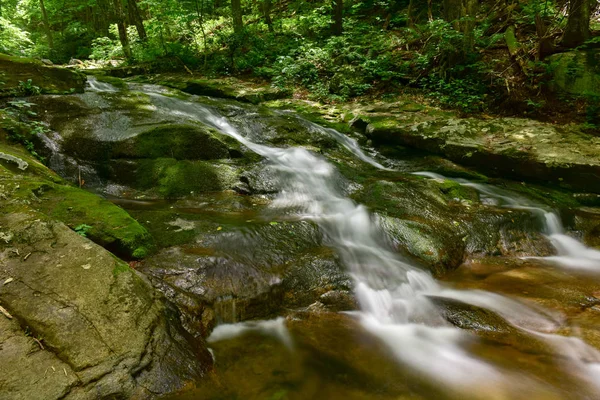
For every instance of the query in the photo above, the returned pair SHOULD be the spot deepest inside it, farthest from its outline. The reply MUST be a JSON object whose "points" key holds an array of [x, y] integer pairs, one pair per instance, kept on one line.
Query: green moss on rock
{"points": [[50, 80], [179, 141], [111, 226]]}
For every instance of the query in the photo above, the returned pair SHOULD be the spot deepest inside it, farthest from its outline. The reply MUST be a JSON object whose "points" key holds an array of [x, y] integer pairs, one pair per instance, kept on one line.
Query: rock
{"points": [[254, 273], [85, 325], [510, 147], [576, 72], [178, 141], [170, 178], [45, 61], [37, 77], [74, 61], [227, 88], [440, 224]]}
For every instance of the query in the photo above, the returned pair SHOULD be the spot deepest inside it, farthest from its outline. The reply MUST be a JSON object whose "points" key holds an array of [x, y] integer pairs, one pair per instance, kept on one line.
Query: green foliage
{"points": [[82, 229], [467, 94], [13, 40], [27, 88], [20, 126]]}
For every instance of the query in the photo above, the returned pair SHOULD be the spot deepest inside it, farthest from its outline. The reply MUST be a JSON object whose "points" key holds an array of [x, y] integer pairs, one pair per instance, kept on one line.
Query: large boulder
{"points": [[24, 76], [510, 147], [227, 88], [77, 322], [576, 72], [255, 272]]}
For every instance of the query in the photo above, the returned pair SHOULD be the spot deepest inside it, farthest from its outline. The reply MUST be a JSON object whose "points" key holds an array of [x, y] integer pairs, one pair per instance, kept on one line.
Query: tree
{"points": [[578, 23], [47, 25], [236, 11], [136, 19], [461, 14], [267, 4], [122, 26], [337, 27]]}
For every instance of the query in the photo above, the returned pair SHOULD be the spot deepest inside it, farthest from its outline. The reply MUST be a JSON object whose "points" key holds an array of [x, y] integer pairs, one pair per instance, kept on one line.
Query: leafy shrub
{"points": [[13, 40]]}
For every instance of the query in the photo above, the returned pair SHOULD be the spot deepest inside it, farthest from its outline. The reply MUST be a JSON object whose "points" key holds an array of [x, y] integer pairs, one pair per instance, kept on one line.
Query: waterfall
{"points": [[571, 253], [394, 295]]}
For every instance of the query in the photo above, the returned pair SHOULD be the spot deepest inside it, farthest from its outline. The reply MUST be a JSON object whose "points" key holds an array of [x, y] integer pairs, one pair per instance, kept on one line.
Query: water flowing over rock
{"points": [[304, 223]]}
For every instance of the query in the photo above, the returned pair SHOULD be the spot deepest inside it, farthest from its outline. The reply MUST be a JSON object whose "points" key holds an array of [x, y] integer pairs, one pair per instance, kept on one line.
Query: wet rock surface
{"points": [[79, 323], [206, 222]]}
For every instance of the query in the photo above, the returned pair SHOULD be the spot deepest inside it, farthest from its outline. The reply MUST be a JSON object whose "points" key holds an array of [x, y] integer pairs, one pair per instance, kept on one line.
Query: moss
{"points": [[120, 268], [174, 178], [112, 226], [455, 190], [179, 141], [51, 80], [116, 82]]}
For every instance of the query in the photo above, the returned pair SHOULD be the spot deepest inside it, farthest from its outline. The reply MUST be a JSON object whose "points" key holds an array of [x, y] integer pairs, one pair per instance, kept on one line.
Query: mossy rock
{"points": [[508, 147], [576, 72], [178, 141], [171, 178], [110, 226], [50, 80]]}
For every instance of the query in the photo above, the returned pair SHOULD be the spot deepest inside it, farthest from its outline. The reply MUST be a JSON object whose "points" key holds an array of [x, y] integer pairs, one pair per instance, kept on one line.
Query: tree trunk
{"points": [[236, 11], [122, 28], [135, 18], [47, 25], [200, 14], [578, 23], [461, 14], [267, 5], [337, 27]]}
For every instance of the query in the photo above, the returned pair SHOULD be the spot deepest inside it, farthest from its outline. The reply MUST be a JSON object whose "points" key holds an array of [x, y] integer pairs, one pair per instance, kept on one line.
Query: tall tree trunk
{"points": [[135, 18], [267, 5], [461, 14], [578, 23], [122, 26], [337, 27], [200, 14], [47, 25], [236, 10]]}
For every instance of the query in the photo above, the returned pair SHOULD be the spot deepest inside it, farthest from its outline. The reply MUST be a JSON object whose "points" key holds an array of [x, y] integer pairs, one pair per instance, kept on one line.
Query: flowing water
{"points": [[570, 252], [399, 302]]}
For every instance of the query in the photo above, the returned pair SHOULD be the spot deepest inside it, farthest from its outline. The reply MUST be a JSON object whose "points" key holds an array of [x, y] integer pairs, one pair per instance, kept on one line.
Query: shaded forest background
{"points": [[489, 56]]}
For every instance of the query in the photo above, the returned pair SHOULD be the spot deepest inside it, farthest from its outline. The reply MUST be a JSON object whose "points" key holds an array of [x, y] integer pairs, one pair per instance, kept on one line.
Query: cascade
{"points": [[394, 295]]}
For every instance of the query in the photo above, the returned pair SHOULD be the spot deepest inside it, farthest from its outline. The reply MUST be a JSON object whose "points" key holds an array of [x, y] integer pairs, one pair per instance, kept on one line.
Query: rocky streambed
{"points": [[304, 260]]}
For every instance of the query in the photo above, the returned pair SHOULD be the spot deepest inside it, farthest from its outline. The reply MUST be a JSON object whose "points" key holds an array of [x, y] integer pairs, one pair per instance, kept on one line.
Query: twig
{"points": [[39, 342], [6, 314], [26, 257]]}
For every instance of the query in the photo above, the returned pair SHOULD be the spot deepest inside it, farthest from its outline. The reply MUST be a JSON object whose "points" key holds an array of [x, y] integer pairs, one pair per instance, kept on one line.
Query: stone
{"points": [[48, 79], [576, 72]]}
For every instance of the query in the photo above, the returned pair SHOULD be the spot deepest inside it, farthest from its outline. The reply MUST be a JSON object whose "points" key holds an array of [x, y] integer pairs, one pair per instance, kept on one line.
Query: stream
{"points": [[400, 342]]}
